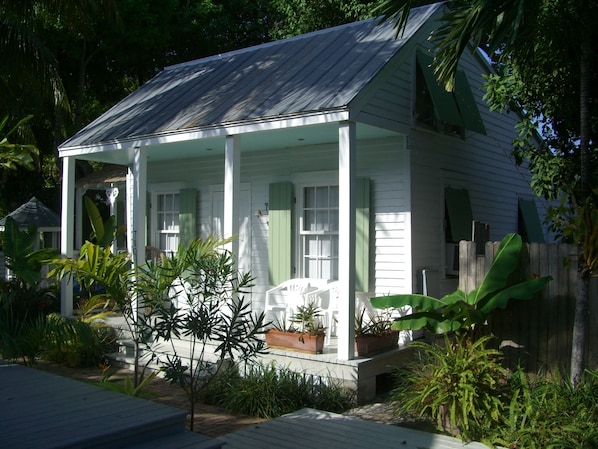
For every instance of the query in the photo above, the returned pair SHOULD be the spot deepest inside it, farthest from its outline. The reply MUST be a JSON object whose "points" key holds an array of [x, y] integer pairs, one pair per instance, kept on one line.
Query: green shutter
{"points": [[467, 105], [444, 102], [459, 217], [362, 238], [532, 227], [187, 214], [279, 232]]}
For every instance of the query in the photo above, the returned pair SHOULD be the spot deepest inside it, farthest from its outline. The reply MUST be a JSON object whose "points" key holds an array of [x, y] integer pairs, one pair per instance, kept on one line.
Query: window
{"points": [[167, 221], [319, 232]]}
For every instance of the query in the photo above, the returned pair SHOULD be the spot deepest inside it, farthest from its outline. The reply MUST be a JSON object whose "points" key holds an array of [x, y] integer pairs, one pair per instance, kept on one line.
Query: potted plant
{"points": [[374, 333], [305, 332]]}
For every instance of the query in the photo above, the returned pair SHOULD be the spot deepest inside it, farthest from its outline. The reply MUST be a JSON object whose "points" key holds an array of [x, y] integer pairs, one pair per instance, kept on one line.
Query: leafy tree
{"points": [[544, 72]]}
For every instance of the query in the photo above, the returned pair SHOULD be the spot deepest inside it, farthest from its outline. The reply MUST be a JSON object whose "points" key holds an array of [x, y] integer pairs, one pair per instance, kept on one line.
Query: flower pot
{"points": [[368, 344], [295, 341]]}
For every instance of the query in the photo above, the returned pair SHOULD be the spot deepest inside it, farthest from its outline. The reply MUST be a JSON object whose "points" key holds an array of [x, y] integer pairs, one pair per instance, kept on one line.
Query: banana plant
{"points": [[103, 233], [461, 312]]}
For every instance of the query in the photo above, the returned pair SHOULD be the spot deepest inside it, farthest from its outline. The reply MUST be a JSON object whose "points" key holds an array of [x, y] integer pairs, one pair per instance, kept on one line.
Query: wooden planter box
{"points": [[366, 345], [313, 344]]}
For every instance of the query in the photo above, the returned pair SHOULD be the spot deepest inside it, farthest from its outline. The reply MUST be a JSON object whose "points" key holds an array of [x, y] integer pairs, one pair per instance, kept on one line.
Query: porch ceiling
{"points": [[193, 147]]}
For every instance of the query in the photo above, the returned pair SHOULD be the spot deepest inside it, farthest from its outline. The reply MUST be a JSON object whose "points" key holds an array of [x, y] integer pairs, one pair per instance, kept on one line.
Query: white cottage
{"points": [[332, 155]]}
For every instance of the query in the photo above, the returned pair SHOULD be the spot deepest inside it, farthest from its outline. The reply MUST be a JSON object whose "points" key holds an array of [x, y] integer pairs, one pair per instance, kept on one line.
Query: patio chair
{"points": [[326, 298], [287, 296]]}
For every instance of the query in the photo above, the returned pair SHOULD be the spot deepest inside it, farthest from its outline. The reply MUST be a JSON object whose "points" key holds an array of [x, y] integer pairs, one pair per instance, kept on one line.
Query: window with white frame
{"points": [[319, 232], [167, 221]]}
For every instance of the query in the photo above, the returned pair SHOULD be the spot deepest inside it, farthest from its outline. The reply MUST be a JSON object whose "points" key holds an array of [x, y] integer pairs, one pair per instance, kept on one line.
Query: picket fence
{"points": [[536, 334]]}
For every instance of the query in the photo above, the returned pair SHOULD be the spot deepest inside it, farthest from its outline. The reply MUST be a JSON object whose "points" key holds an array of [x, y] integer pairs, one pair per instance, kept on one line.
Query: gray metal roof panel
{"points": [[318, 71]]}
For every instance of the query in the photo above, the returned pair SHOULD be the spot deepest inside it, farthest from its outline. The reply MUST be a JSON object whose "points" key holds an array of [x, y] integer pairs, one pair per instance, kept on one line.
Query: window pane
{"points": [[333, 221], [309, 218], [310, 197], [321, 221], [334, 196], [321, 197]]}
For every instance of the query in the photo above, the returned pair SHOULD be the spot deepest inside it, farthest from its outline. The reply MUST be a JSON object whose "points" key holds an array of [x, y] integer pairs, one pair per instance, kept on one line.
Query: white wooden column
{"points": [[111, 195], [346, 254], [67, 214], [137, 186], [232, 191], [80, 215]]}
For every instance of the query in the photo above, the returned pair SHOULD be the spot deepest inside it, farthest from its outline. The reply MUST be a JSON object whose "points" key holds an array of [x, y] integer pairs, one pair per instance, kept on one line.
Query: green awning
{"points": [[444, 102], [459, 213], [458, 107], [467, 106], [532, 227]]}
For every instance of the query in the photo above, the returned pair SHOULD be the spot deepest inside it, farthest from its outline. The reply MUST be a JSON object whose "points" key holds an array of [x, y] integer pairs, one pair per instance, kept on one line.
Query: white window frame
{"points": [[156, 212], [302, 234]]}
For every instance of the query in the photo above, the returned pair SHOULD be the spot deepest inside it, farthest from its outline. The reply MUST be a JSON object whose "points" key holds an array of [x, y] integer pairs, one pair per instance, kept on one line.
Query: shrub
{"points": [[548, 413], [76, 343], [460, 385], [268, 391]]}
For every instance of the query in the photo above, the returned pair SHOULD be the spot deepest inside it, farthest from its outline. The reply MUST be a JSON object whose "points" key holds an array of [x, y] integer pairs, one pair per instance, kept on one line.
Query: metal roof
{"points": [[33, 213], [312, 73]]}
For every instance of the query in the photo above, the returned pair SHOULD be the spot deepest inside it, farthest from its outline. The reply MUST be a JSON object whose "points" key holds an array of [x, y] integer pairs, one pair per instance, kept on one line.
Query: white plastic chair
{"points": [[326, 298], [287, 296]]}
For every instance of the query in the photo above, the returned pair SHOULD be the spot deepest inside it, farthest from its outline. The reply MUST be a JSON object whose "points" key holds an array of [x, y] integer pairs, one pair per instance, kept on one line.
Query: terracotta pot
{"points": [[367, 344], [313, 344]]}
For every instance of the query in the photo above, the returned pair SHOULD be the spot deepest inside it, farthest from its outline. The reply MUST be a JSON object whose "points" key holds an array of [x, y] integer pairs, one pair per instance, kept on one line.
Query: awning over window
{"points": [[458, 107], [530, 225], [459, 213]]}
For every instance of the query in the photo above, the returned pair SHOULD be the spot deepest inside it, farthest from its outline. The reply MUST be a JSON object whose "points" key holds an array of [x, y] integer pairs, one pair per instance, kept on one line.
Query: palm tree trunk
{"points": [[584, 271]]}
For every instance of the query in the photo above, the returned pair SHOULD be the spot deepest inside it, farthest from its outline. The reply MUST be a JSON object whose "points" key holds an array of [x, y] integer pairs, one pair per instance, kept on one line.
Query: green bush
{"points": [[76, 343], [548, 413], [268, 391], [460, 385]]}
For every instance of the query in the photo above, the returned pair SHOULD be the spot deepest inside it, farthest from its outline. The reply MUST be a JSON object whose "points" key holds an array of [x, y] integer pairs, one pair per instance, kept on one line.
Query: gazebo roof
{"points": [[35, 213]]}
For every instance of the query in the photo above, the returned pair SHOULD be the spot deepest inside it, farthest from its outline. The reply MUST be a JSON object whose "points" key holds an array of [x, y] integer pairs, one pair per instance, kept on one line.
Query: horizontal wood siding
{"points": [[480, 163], [537, 333], [382, 161]]}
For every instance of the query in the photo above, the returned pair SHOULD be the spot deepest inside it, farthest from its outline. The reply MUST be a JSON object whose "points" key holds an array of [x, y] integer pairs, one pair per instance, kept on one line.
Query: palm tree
{"points": [[29, 77], [505, 29]]}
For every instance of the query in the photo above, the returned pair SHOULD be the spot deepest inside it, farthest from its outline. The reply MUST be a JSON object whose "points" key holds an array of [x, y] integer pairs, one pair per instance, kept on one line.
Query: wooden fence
{"points": [[537, 333]]}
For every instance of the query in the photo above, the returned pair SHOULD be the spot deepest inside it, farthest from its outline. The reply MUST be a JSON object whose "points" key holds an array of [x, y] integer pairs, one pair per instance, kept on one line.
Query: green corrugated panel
{"points": [[444, 102], [467, 106], [187, 216], [362, 238], [279, 232], [459, 212], [531, 221]]}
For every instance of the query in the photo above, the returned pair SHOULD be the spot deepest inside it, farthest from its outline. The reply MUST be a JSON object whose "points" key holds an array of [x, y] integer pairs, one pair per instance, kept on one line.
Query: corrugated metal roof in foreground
{"points": [[313, 72]]}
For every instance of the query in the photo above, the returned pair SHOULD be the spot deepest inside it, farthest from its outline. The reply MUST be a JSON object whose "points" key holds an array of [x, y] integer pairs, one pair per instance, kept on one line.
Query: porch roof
{"points": [[310, 79]]}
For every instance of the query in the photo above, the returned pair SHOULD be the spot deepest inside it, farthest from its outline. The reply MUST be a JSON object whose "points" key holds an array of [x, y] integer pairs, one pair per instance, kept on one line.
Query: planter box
{"points": [[366, 345], [313, 344]]}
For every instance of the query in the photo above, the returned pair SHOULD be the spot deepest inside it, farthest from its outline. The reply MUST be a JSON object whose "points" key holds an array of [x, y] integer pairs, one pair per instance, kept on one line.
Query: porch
{"points": [[364, 375]]}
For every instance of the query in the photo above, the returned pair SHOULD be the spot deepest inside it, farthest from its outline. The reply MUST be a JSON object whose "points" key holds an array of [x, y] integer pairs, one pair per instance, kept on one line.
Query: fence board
{"points": [[537, 334]]}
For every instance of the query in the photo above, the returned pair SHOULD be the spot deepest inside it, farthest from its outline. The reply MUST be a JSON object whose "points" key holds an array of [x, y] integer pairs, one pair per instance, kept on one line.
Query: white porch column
{"points": [[346, 254], [232, 186], [67, 214], [112, 194], [80, 214], [137, 186]]}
